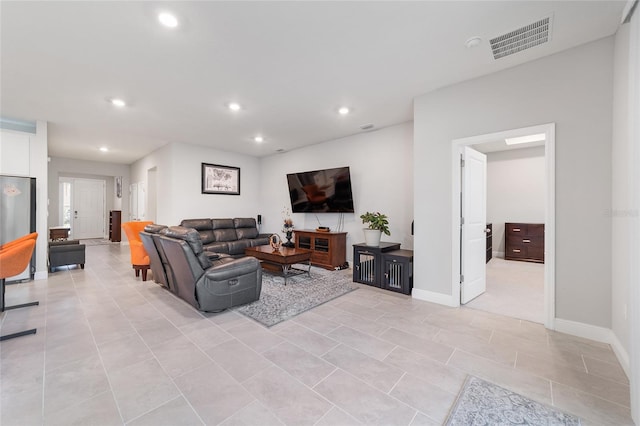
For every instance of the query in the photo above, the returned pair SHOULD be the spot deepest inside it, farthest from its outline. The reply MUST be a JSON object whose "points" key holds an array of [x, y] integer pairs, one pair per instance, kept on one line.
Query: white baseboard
{"points": [[599, 334], [41, 275], [439, 298]]}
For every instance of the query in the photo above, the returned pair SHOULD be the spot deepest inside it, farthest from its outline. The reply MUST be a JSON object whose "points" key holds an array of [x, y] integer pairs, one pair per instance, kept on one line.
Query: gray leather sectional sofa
{"points": [[229, 236], [210, 282]]}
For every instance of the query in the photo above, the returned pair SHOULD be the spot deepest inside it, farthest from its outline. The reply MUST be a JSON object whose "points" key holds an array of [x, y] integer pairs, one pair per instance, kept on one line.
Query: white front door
{"points": [[474, 220], [88, 216]]}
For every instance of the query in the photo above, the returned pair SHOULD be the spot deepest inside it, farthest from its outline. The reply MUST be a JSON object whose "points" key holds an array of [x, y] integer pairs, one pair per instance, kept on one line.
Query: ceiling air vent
{"points": [[521, 39]]}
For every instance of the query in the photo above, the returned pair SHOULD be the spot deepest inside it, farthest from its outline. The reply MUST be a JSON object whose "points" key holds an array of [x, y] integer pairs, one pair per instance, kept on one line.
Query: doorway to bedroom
{"points": [[509, 187]]}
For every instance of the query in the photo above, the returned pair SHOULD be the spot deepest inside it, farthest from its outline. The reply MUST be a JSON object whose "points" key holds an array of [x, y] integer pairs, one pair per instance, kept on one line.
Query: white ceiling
{"points": [[290, 64]]}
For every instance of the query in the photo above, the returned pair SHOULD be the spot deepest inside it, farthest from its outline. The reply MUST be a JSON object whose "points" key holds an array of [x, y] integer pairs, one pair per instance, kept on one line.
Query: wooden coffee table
{"points": [[281, 261]]}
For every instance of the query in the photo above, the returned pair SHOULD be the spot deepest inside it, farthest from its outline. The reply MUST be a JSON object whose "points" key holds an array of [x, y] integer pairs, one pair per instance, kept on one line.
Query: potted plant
{"points": [[378, 223]]}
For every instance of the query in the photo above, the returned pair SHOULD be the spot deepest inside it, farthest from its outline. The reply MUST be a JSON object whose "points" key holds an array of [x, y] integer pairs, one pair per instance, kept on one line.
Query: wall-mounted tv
{"points": [[321, 191]]}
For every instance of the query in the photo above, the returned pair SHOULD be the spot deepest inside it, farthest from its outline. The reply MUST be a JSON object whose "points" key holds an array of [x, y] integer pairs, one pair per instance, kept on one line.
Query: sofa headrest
{"points": [[191, 237], [154, 228], [198, 224], [244, 222], [222, 224]]}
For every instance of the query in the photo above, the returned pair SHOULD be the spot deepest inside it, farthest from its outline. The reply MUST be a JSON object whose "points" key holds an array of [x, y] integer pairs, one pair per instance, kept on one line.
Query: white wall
{"points": [[572, 89], [381, 169], [179, 195], [67, 167], [515, 190], [625, 205]]}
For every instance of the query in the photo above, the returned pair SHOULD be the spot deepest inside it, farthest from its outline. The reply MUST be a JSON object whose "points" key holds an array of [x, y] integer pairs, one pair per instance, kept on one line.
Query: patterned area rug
{"points": [[279, 302], [483, 403]]}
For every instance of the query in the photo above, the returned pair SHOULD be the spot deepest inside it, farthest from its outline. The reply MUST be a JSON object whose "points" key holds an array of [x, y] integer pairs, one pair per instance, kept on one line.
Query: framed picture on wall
{"points": [[217, 179]]}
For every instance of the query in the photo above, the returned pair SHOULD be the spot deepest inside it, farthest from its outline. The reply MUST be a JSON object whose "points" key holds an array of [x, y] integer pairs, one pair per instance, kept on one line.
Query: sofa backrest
{"points": [[184, 267], [223, 230], [203, 226], [157, 267], [192, 238], [245, 227]]}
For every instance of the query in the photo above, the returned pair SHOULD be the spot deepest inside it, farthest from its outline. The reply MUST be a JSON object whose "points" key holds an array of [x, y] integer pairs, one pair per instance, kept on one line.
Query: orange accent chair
{"points": [[31, 236], [14, 258], [139, 256]]}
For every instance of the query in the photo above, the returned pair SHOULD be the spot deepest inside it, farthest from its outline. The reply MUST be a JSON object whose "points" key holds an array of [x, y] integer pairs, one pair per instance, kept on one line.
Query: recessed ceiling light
{"points": [[344, 110], [258, 139], [525, 139], [104, 149], [118, 103], [234, 106], [168, 20], [473, 42]]}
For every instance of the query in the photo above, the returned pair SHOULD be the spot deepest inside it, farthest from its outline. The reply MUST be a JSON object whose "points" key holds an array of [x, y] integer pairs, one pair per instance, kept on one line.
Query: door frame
{"points": [[549, 129], [72, 180]]}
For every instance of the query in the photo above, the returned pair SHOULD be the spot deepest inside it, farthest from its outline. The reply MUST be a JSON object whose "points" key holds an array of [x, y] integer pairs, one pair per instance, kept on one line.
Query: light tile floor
{"points": [[113, 350], [514, 289]]}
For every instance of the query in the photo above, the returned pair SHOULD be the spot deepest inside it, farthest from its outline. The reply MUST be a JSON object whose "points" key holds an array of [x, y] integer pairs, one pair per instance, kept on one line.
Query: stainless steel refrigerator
{"points": [[18, 214]]}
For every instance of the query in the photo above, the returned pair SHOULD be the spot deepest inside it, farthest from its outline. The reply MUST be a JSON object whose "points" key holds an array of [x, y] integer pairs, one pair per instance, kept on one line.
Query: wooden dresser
{"points": [[524, 241]]}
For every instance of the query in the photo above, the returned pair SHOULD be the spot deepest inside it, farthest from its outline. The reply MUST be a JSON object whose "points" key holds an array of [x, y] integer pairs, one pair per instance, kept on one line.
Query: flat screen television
{"points": [[321, 191]]}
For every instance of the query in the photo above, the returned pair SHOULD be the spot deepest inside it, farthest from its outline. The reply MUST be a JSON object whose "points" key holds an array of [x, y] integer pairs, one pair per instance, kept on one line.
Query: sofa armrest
{"points": [[232, 269]]}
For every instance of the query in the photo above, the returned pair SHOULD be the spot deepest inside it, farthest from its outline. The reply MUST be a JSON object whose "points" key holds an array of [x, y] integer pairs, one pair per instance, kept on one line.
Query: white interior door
{"points": [[88, 218], [474, 220]]}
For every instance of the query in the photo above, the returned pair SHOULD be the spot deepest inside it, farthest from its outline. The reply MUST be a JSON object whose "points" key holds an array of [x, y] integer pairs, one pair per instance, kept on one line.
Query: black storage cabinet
{"points": [[398, 271], [368, 263]]}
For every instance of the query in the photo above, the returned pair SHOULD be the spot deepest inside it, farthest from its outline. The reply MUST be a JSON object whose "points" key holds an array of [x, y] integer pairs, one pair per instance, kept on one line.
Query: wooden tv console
{"points": [[329, 249]]}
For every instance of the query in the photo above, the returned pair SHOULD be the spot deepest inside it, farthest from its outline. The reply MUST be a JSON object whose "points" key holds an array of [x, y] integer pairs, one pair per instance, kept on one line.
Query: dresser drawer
{"points": [[525, 241], [515, 229], [516, 252]]}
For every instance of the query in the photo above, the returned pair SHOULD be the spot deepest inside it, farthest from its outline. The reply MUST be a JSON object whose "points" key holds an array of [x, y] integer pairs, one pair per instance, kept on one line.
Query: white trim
{"points": [[550, 219], [431, 296], [621, 354], [41, 275], [498, 254], [599, 334], [550, 228]]}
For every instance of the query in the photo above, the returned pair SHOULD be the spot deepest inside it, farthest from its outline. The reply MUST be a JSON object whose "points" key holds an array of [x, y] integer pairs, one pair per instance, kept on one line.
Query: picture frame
{"points": [[219, 179]]}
